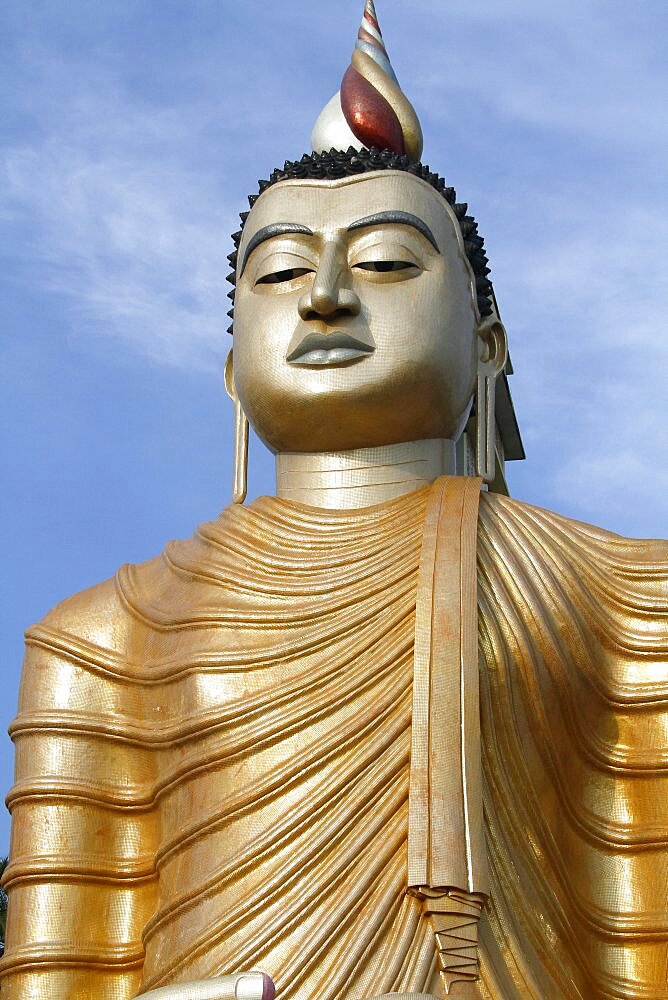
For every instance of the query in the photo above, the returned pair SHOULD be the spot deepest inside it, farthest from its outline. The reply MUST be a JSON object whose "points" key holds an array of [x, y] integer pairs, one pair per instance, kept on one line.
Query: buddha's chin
{"points": [[344, 421]]}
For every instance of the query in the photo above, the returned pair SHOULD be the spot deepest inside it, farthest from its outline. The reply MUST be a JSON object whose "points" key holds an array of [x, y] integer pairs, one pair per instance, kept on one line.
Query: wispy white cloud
{"points": [[582, 67], [132, 236], [587, 314]]}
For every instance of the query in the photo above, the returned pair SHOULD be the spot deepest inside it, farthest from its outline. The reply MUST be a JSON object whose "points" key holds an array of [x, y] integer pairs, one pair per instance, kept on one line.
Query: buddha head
{"points": [[363, 314]]}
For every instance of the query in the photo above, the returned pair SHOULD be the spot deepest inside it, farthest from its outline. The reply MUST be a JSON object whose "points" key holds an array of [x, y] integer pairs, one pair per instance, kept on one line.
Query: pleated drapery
{"points": [[213, 761]]}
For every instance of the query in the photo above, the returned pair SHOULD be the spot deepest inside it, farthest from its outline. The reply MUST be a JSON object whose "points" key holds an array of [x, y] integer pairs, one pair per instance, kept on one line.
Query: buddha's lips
{"points": [[328, 348]]}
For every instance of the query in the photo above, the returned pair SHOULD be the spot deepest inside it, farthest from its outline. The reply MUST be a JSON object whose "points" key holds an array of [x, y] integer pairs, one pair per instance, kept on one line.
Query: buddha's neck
{"points": [[347, 479]]}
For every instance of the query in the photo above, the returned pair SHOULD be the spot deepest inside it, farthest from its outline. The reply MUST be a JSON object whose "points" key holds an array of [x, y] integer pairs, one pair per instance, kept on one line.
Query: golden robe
{"points": [[213, 754]]}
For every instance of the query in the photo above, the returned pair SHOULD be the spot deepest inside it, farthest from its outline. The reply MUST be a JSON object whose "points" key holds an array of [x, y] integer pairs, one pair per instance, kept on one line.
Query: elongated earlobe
{"points": [[492, 361], [240, 473]]}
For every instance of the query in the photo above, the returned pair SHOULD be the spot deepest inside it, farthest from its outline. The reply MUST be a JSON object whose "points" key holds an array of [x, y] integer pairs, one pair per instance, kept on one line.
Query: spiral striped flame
{"points": [[371, 109], [370, 40]]}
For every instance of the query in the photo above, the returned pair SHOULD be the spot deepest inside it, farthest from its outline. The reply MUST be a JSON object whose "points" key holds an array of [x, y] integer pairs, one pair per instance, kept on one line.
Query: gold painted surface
{"points": [[213, 762], [447, 861], [346, 480], [418, 332]]}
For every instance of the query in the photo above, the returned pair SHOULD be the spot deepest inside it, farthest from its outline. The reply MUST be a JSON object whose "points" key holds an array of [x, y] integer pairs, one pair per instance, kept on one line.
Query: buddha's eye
{"points": [[384, 266], [279, 277]]}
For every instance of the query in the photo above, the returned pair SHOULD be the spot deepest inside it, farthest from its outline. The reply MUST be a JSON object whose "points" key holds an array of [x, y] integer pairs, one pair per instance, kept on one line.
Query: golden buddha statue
{"points": [[385, 732]]}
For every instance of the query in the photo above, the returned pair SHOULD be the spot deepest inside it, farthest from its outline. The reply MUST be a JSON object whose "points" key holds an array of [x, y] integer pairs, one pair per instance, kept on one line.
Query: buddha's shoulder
{"points": [[97, 617], [114, 614], [536, 529]]}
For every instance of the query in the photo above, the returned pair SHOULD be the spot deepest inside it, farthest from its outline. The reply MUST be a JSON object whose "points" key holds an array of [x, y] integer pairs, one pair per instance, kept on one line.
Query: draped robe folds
{"points": [[213, 758]]}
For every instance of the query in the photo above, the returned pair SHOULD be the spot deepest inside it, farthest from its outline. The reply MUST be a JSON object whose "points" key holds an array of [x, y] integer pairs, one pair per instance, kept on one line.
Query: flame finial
{"points": [[370, 109]]}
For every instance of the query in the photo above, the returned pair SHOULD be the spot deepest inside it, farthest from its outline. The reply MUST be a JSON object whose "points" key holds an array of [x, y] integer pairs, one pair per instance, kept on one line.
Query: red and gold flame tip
{"points": [[371, 108]]}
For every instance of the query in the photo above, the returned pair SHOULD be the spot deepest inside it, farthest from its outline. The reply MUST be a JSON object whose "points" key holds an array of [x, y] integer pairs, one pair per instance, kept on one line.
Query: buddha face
{"points": [[354, 323]]}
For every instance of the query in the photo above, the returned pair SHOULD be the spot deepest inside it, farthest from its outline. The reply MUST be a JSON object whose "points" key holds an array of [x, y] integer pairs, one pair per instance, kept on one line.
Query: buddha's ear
{"points": [[492, 357], [492, 347], [240, 479], [230, 387]]}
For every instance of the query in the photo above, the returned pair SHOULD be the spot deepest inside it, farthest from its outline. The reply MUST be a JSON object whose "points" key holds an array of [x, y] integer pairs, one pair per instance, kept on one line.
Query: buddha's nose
{"points": [[330, 294]]}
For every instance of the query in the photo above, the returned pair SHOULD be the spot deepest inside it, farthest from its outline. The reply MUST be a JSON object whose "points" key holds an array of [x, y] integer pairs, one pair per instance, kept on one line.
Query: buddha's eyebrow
{"points": [[268, 233], [398, 218]]}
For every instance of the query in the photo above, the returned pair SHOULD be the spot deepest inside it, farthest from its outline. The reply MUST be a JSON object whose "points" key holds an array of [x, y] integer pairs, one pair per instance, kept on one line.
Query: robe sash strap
{"points": [[447, 864]]}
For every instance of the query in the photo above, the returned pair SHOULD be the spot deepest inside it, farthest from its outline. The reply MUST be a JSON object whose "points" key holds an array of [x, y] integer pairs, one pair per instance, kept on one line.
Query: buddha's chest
{"points": [[283, 803]]}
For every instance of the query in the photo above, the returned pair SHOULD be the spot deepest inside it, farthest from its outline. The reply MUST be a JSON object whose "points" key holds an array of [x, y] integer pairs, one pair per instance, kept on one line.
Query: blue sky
{"points": [[131, 134]]}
